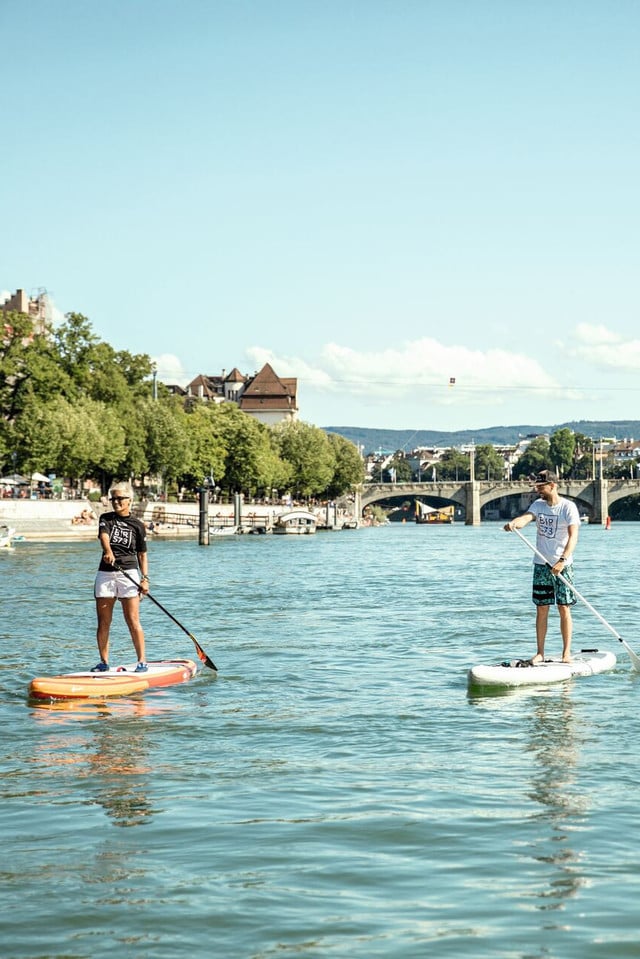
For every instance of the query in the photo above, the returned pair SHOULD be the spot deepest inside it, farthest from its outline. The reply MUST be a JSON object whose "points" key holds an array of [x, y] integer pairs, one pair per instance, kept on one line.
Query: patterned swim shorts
{"points": [[549, 589]]}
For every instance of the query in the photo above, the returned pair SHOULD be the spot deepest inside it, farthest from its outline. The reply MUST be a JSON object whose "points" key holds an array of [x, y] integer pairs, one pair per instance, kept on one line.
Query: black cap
{"points": [[544, 476]]}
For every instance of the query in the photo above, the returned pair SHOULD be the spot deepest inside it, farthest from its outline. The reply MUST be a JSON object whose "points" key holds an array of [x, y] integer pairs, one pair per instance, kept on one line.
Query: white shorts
{"points": [[116, 586]]}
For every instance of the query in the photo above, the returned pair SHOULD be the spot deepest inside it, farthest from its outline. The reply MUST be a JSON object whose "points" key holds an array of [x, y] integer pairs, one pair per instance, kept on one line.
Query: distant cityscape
{"points": [[387, 442]]}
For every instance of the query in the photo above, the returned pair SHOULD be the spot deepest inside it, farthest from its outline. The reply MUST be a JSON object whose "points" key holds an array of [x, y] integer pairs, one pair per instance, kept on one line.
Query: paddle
{"points": [[202, 656], [635, 660]]}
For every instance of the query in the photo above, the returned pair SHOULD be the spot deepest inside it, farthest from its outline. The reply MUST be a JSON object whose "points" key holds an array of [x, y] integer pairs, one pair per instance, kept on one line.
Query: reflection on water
{"points": [[555, 742], [108, 754], [552, 736]]}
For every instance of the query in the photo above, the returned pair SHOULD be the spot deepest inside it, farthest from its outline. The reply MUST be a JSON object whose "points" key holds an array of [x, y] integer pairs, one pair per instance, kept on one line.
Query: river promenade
{"points": [[43, 520]]}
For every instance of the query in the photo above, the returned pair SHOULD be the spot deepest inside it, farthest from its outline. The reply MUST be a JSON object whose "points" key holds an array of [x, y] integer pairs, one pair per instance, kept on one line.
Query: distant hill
{"points": [[389, 441]]}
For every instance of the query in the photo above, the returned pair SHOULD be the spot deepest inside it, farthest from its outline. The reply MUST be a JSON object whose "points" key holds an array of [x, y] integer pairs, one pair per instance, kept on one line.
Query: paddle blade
{"points": [[635, 660], [202, 656]]}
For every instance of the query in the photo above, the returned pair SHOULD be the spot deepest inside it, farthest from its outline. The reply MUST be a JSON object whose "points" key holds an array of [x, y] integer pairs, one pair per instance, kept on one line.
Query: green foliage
{"points": [[75, 440], [349, 466], [489, 464], [95, 369], [310, 454], [536, 457], [28, 367], [453, 465], [245, 442], [167, 443], [71, 404], [398, 470], [562, 447], [207, 450]]}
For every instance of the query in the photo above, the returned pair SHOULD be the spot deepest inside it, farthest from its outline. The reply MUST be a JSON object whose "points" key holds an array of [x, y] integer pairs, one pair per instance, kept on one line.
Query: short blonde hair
{"points": [[121, 489]]}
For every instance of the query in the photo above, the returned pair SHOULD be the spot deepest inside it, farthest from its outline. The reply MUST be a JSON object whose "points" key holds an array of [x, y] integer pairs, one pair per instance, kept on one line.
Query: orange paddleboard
{"points": [[117, 681]]}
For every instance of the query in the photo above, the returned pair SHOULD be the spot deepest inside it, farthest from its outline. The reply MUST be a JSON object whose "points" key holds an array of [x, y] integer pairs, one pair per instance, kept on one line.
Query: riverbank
{"points": [[77, 520], [43, 520], [71, 520]]}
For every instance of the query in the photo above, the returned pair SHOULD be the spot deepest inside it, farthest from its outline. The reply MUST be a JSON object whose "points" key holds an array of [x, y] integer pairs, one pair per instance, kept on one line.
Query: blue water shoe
{"points": [[101, 667], [141, 668]]}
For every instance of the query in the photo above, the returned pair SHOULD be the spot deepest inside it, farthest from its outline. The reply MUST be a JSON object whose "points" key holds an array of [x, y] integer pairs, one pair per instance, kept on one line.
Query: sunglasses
{"points": [[120, 499]]}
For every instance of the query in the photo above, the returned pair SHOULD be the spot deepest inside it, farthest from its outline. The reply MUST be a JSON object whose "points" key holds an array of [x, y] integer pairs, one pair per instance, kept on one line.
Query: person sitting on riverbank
{"points": [[86, 518]]}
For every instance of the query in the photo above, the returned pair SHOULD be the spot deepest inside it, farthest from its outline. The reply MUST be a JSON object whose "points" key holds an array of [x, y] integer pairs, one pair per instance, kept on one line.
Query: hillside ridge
{"points": [[389, 441]]}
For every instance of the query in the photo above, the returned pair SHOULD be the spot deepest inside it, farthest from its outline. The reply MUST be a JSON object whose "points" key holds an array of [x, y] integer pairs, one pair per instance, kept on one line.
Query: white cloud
{"points": [[422, 367], [603, 348], [171, 370]]}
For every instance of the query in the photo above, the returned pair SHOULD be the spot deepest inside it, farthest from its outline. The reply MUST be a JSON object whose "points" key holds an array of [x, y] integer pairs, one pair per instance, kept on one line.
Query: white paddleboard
{"points": [[588, 662]]}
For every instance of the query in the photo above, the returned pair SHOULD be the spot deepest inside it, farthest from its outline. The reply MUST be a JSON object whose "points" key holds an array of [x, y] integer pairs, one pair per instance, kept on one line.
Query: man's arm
{"points": [[518, 522]]}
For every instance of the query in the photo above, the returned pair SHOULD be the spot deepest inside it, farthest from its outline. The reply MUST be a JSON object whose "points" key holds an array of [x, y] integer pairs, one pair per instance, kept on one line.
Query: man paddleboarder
{"points": [[557, 522]]}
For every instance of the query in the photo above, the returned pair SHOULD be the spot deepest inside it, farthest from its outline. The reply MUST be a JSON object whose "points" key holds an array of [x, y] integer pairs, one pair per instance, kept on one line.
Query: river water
{"points": [[335, 791]]}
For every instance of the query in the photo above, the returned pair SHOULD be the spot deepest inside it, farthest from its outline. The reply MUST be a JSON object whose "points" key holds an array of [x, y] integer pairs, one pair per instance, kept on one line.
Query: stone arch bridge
{"points": [[592, 497]]}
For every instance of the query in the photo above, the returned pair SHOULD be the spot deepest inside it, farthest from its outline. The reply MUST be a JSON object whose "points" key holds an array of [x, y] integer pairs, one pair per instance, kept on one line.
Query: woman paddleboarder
{"points": [[124, 545]]}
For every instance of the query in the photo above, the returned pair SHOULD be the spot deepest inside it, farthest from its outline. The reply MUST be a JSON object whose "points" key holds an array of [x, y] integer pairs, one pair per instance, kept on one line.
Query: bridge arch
{"points": [[591, 496]]}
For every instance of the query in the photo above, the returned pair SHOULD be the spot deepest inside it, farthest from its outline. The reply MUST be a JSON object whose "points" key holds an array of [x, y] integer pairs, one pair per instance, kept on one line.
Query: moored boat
{"points": [[430, 515], [297, 522], [221, 530]]}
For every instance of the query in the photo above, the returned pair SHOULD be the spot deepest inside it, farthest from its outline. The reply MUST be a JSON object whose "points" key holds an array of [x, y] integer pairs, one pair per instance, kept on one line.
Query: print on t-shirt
{"points": [[547, 525], [121, 536]]}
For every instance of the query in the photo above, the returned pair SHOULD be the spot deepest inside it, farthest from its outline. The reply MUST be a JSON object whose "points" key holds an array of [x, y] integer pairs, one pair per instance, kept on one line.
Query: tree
{"points": [[168, 444], [37, 434], [582, 467], [536, 457], [349, 466], [249, 465], [398, 469], [28, 368], [453, 465], [562, 448], [207, 447], [95, 369], [276, 472], [310, 454], [488, 463]]}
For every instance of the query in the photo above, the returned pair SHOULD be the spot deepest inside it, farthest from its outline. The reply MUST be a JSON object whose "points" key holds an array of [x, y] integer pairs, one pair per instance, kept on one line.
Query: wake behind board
{"points": [[117, 681], [588, 662]]}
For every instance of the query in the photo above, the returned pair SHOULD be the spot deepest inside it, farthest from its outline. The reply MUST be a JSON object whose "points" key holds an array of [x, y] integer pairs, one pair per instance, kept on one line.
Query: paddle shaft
{"points": [[201, 653], [634, 659]]}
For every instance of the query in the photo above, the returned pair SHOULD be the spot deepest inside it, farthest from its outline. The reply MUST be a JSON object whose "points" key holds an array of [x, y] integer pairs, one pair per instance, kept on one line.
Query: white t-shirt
{"points": [[552, 523]]}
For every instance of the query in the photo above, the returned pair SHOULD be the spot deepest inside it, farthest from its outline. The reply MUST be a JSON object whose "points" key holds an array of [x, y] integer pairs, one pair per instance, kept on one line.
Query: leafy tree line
{"points": [[72, 405]]}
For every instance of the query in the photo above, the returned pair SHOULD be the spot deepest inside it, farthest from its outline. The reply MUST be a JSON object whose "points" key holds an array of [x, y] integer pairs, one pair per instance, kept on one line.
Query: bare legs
{"points": [[131, 610], [566, 628]]}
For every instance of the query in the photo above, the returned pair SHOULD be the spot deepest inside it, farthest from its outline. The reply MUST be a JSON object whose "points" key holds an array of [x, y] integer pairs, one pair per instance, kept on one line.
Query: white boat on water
{"points": [[222, 530], [297, 522], [6, 536]]}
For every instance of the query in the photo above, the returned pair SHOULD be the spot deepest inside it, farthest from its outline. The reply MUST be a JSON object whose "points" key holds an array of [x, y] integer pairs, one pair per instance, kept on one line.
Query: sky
{"points": [[425, 210]]}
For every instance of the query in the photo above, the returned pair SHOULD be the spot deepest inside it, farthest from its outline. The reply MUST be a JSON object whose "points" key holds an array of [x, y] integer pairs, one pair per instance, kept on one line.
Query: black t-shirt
{"points": [[127, 536]]}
